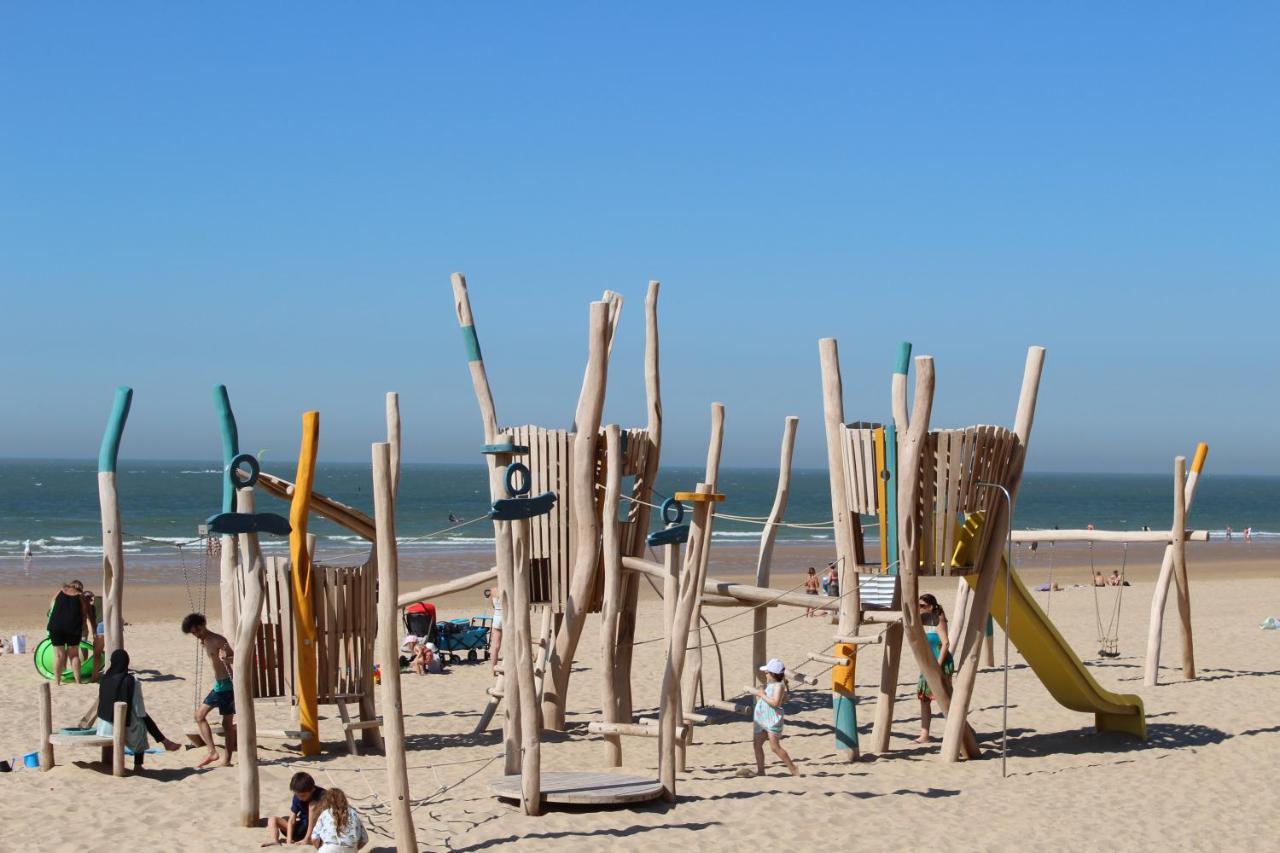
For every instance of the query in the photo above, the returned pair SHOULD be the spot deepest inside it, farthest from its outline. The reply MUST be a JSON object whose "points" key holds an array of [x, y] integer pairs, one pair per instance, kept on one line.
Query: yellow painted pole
{"points": [[304, 617]]}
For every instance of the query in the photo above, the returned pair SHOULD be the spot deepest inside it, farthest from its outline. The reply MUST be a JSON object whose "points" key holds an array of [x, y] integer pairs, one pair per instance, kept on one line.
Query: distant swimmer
{"points": [[455, 519], [26, 550]]}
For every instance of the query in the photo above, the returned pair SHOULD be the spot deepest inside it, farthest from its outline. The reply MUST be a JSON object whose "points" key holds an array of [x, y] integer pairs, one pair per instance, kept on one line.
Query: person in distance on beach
{"points": [[222, 696], [811, 587], [495, 600]]}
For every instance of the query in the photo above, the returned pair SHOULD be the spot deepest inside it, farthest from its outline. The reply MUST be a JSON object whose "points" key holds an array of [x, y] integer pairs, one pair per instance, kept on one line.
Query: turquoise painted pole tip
{"points": [[230, 444], [110, 449], [904, 358]]}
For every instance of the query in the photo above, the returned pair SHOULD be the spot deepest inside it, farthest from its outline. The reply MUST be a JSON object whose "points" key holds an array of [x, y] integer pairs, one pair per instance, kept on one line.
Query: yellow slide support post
{"points": [[304, 617], [1050, 656]]}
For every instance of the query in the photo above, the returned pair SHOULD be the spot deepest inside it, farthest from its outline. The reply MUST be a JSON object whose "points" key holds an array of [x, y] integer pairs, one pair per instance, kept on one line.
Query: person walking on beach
{"points": [[769, 716], [811, 587], [222, 696], [66, 626], [832, 582], [935, 631], [1228, 532], [1248, 534], [120, 685]]}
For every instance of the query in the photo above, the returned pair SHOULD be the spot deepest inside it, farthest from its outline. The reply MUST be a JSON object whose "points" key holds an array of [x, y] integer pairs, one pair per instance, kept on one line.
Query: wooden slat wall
{"points": [[861, 472]]}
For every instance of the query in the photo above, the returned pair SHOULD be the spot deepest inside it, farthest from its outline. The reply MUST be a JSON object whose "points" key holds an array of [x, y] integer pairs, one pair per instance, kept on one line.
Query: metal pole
{"points": [[1008, 595]]}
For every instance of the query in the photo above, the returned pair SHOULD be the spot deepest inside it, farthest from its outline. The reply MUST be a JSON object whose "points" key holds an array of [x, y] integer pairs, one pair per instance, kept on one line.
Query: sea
{"points": [[51, 506]]}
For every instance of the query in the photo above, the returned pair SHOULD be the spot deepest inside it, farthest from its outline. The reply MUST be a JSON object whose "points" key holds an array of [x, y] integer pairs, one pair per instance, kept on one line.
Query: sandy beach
{"points": [[1203, 779]]}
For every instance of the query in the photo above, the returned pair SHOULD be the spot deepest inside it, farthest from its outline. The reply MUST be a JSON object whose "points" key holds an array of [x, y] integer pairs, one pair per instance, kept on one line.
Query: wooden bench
{"points": [[112, 748]]}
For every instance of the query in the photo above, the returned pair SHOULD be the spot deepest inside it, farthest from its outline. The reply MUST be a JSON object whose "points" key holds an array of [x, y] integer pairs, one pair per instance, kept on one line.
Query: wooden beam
{"points": [[1151, 673], [242, 665], [1128, 537], [764, 561]]}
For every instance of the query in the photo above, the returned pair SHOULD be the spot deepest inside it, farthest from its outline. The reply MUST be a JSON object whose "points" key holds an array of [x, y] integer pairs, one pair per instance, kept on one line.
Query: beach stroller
{"points": [[420, 619], [455, 636]]}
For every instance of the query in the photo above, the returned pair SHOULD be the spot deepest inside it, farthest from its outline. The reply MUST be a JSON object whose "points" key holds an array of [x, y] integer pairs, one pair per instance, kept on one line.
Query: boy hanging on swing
{"points": [[222, 696]]}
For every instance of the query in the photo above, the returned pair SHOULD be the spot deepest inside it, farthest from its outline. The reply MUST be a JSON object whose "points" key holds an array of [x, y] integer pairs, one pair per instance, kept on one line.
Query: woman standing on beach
{"points": [[935, 630], [495, 599], [811, 587], [67, 621]]}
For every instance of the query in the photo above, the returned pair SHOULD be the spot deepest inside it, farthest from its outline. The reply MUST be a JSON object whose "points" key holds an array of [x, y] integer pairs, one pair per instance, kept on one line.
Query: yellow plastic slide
{"points": [[1050, 656]]}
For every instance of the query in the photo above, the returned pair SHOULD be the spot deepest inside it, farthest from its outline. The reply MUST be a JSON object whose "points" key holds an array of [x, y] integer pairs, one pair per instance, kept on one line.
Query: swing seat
{"points": [[235, 523], [677, 534], [518, 509]]}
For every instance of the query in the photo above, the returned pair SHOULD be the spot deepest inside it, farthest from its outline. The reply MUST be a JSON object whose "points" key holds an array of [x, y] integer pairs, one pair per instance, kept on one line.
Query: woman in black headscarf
{"points": [[119, 685]]}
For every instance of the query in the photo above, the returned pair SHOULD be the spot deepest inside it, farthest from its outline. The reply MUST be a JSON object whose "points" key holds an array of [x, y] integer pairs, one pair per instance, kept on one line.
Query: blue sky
{"points": [[273, 196]]}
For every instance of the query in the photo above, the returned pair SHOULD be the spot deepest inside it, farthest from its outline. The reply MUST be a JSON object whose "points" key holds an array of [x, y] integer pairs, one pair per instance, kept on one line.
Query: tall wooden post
{"points": [[521, 662], [693, 671], [585, 521], [670, 709], [644, 493], [109, 505], [990, 554], [1180, 565], [1151, 675], [764, 561], [612, 590], [304, 618], [388, 651], [228, 569], [242, 683]]}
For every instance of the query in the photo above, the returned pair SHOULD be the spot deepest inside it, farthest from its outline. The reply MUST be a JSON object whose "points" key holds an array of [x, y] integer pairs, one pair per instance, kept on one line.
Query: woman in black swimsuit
{"points": [[67, 621]]}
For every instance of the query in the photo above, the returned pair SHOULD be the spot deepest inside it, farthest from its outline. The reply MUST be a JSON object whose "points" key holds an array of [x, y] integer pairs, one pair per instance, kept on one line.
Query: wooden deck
{"points": [[594, 789]]}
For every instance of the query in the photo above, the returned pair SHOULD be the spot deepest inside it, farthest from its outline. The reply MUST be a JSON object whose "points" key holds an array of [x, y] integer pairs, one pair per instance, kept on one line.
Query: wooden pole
{"points": [[693, 670], [242, 683], [119, 727], [585, 521], [670, 708], [1151, 675], [764, 561], [501, 529], [612, 590], [990, 555], [912, 438], [1180, 565], [643, 492], [371, 737], [304, 617], [833, 422], [46, 726], [108, 504], [388, 651], [520, 660]]}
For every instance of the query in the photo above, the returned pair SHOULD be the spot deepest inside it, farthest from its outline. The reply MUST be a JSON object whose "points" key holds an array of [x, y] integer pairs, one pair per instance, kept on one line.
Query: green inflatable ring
{"points": [[44, 658]]}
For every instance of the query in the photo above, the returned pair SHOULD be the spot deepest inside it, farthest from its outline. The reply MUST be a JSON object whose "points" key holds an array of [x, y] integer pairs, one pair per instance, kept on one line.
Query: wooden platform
{"points": [[591, 789]]}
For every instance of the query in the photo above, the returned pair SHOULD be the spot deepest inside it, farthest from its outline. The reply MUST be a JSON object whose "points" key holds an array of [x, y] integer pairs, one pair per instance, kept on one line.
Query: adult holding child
{"points": [[68, 619]]}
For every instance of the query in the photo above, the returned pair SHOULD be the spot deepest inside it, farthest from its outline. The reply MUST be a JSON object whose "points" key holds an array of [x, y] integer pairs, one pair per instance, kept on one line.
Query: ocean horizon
{"points": [[53, 504]]}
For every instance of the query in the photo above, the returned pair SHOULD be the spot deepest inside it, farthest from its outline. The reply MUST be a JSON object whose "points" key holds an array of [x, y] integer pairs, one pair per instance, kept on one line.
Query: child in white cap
{"points": [[768, 718]]}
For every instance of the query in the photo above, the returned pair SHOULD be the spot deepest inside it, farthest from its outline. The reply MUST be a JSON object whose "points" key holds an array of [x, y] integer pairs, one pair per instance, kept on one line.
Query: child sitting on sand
{"points": [[338, 828], [303, 812], [768, 718]]}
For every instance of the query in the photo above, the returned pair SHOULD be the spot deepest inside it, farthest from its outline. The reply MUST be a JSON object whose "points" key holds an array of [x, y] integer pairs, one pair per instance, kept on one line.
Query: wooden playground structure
{"points": [[571, 511]]}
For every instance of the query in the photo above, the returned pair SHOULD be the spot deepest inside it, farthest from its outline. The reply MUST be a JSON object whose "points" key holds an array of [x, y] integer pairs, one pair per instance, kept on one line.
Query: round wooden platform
{"points": [[590, 789]]}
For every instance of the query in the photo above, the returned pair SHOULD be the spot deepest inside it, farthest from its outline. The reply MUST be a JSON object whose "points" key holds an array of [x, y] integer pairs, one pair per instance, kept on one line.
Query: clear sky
{"points": [[273, 195]]}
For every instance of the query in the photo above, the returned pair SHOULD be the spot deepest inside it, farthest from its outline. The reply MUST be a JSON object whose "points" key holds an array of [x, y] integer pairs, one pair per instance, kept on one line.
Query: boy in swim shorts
{"points": [[222, 696]]}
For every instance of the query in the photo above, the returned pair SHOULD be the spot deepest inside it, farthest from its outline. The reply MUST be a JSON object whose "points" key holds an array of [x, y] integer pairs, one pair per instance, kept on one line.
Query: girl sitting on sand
{"points": [[338, 828], [935, 630], [768, 719]]}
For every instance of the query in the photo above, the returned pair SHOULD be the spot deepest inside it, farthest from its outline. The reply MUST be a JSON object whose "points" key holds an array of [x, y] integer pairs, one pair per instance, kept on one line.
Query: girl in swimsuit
{"points": [[935, 630]]}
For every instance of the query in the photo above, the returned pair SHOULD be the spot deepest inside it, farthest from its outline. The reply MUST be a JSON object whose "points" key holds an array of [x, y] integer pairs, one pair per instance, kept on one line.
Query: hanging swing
{"points": [[1108, 637]]}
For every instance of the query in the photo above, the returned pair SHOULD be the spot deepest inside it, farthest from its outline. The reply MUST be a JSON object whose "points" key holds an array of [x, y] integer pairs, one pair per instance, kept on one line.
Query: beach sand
{"points": [[1203, 780]]}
